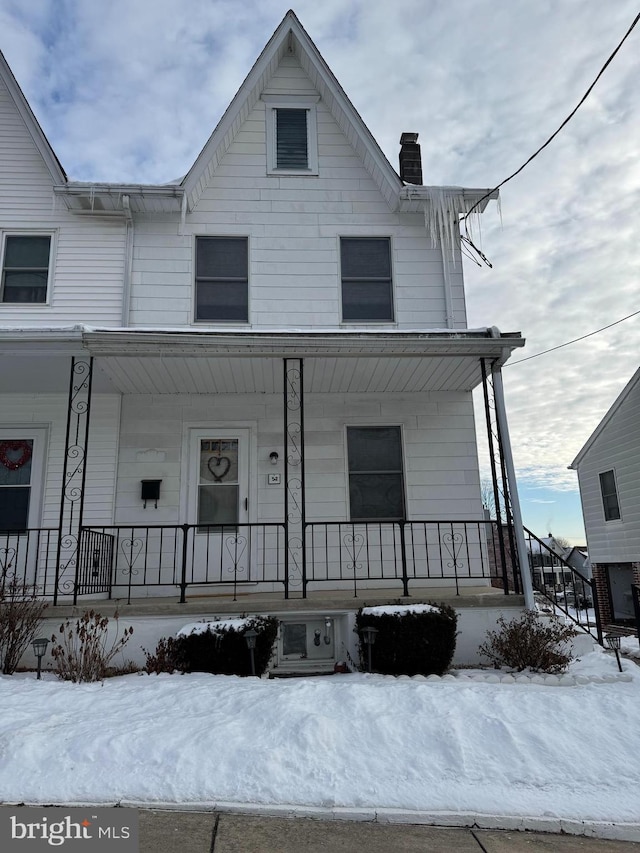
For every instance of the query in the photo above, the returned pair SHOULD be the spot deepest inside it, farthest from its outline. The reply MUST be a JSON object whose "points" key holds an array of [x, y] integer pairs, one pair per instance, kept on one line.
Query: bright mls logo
{"points": [[29, 828]]}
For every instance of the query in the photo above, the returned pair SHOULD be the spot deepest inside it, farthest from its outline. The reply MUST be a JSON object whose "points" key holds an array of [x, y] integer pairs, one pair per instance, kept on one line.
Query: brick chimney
{"points": [[410, 159]]}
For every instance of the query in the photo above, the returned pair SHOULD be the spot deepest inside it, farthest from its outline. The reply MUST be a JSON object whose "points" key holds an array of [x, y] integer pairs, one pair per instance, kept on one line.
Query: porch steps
{"points": [[620, 630]]}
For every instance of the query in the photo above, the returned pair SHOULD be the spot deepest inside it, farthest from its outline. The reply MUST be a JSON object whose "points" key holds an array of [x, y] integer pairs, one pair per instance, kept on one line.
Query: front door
{"points": [[219, 505]]}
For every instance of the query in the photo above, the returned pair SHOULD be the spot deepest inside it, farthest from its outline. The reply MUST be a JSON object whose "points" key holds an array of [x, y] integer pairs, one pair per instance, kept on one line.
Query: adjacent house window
{"points": [[365, 264], [376, 481], [25, 268], [609, 496], [292, 141], [222, 279]]}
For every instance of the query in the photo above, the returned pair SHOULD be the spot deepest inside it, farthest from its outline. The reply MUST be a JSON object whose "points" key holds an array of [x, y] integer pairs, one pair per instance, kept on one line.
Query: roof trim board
{"points": [[617, 403], [290, 35], [41, 142]]}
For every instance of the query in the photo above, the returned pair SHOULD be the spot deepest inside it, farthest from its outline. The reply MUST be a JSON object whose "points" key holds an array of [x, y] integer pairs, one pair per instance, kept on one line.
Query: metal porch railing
{"points": [[566, 588]]}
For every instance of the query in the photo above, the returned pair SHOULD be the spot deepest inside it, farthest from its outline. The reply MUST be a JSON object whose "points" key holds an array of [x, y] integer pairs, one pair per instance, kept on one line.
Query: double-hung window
{"points": [[25, 268], [222, 279], [376, 479], [365, 265], [609, 496], [292, 141], [15, 483]]}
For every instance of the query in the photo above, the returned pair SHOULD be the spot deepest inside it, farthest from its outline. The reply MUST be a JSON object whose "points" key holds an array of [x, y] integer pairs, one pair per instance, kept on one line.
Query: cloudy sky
{"points": [[129, 90]]}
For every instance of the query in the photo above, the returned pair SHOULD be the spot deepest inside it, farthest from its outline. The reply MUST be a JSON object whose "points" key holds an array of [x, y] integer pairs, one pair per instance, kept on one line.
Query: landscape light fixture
{"points": [[39, 650], [250, 637], [612, 642], [369, 636]]}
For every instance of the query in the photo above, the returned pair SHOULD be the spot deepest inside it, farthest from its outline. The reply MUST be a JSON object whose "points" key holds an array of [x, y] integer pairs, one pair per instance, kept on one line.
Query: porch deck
{"points": [[331, 601]]}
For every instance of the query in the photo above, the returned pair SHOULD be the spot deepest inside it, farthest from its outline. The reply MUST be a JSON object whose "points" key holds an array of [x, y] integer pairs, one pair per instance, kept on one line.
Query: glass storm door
{"points": [[219, 506]]}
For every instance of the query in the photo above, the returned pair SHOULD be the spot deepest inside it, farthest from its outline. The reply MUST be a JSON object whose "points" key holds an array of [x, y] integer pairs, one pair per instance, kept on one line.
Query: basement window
{"points": [[25, 268]]}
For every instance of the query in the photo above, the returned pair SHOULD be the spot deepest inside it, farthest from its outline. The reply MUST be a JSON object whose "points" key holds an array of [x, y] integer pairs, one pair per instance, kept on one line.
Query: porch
{"points": [[337, 560]]}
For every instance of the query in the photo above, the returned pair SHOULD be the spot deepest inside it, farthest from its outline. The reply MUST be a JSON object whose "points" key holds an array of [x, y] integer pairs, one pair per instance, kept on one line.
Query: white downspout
{"points": [[128, 261], [521, 547]]}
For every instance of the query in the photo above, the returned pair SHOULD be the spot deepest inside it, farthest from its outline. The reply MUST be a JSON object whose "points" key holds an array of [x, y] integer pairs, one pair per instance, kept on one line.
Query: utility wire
{"points": [[574, 341], [553, 135]]}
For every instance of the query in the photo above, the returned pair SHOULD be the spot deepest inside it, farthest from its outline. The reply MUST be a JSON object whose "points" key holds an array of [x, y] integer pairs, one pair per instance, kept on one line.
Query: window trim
{"points": [[616, 493], [39, 434], [349, 322], [291, 102], [195, 320], [403, 472], [27, 232]]}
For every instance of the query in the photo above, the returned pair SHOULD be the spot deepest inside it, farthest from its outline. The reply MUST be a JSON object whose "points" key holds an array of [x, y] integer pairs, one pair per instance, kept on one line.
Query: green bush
{"points": [[530, 641], [222, 651], [410, 643]]}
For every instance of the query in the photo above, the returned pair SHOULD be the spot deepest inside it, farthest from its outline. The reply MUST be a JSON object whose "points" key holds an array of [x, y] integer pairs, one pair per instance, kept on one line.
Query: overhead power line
{"points": [[574, 341], [553, 135]]}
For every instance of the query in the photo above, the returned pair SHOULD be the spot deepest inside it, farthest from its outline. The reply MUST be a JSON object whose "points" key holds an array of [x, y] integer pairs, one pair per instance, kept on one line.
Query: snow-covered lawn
{"points": [[354, 741]]}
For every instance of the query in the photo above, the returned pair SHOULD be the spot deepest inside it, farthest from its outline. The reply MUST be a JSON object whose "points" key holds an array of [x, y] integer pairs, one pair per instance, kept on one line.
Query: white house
{"points": [[249, 389], [608, 469]]}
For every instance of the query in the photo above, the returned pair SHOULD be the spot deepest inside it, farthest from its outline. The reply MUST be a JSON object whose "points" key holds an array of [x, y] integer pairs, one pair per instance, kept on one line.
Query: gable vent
{"points": [[291, 135]]}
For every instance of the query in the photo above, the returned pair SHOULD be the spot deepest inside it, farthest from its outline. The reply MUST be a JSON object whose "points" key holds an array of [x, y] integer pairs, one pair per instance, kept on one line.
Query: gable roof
{"points": [[291, 38], [41, 142], [628, 388]]}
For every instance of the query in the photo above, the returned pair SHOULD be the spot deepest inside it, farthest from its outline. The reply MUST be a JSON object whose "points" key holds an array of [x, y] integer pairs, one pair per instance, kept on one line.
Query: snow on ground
{"points": [[355, 740]]}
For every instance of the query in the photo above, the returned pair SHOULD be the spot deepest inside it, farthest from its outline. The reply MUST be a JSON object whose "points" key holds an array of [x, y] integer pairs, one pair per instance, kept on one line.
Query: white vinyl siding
{"points": [[616, 448], [441, 466], [87, 264], [293, 223]]}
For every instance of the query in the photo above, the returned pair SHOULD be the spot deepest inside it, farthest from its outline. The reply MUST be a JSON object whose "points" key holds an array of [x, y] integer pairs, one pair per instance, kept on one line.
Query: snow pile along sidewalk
{"points": [[343, 742]]}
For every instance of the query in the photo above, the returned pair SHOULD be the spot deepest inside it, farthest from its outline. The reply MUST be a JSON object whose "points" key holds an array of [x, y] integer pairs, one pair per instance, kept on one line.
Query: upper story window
{"points": [[222, 279], [609, 496], [376, 480], [365, 264], [25, 268], [292, 139]]}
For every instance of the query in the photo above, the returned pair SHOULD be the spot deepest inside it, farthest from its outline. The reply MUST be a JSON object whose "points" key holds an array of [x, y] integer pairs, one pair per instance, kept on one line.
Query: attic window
{"points": [[292, 144], [291, 139]]}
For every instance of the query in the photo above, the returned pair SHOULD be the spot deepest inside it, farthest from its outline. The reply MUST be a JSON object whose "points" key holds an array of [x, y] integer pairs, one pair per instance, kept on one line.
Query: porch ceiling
{"points": [[223, 375], [140, 362]]}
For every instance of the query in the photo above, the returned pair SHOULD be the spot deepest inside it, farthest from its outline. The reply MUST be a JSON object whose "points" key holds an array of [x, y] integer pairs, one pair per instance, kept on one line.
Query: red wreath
{"points": [[14, 464]]}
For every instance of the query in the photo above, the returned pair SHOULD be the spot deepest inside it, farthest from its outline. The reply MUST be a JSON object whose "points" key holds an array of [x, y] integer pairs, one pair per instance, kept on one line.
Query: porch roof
{"points": [[152, 361]]}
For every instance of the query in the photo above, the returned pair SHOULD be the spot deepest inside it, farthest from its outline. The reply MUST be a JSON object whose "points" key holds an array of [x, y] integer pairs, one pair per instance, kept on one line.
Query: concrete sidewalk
{"points": [[208, 832]]}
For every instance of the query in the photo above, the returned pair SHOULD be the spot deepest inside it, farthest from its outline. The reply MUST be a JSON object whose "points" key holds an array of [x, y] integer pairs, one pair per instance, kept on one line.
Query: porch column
{"points": [[74, 474], [294, 498], [505, 443]]}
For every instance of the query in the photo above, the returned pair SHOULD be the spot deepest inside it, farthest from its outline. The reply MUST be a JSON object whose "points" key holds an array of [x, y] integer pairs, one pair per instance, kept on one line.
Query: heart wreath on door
{"points": [[218, 467], [14, 454]]}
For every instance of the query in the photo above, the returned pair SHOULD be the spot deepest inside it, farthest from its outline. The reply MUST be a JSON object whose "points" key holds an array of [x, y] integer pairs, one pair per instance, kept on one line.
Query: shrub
{"points": [[168, 656], [222, 651], [411, 642], [83, 651], [531, 642], [20, 619]]}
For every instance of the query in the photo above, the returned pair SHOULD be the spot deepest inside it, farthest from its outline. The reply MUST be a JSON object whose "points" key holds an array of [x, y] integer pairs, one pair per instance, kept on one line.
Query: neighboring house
{"points": [[255, 380], [608, 469], [547, 569]]}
